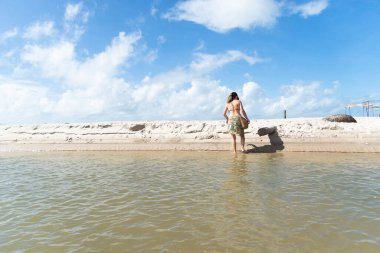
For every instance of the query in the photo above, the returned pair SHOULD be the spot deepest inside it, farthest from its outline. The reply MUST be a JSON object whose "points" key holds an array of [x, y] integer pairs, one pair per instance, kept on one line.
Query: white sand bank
{"points": [[302, 134]]}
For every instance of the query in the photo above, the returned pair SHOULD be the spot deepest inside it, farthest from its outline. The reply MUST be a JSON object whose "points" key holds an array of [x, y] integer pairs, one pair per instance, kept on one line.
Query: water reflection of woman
{"points": [[236, 209], [238, 173]]}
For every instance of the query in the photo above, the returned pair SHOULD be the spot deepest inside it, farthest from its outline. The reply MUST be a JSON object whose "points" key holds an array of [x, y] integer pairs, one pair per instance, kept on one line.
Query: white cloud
{"points": [[300, 99], [72, 89], [75, 18], [38, 30], [8, 35], [152, 88], [69, 88], [183, 94], [312, 8], [248, 76], [10, 53], [201, 45], [224, 15], [74, 11], [250, 89], [161, 40], [153, 11], [54, 61], [190, 93], [179, 95], [254, 99], [187, 92], [304, 99], [90, 86], [333, 89], [22, 101], [209, 62], [59, 61], [203, 99], [151, 56]]}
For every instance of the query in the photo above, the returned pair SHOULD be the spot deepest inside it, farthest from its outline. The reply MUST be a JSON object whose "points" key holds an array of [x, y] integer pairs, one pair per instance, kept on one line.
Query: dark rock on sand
{"points": [[266, 130], [341, 118], [137, 127]]}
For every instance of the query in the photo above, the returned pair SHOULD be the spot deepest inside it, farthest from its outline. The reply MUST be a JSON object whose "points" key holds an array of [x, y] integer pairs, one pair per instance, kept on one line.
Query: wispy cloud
{"points": [[75, 18], [8, 35], [74, 11], [312, 8], [153, 11], [201, 45], [161, 39], [40, 29], [209, 62]]}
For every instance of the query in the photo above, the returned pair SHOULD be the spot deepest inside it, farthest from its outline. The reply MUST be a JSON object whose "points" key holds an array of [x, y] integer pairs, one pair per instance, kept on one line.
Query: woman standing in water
{"points": [[235, 108]]}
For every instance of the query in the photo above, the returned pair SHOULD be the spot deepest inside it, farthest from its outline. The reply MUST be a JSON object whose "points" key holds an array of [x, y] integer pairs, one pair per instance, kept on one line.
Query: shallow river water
{"points": [[189, 202]]}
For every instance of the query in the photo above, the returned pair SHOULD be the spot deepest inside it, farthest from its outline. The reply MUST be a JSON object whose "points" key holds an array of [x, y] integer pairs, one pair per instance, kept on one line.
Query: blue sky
{"points": [[178, 60]]}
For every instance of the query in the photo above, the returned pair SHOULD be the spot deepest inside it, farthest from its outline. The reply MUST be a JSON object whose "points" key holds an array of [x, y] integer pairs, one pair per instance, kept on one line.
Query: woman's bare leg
{"points": [[242, 142], [234, 142]]}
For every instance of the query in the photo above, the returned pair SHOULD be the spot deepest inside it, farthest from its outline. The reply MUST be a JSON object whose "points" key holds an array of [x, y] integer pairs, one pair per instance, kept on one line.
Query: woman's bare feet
{"points": [[244, 151]]}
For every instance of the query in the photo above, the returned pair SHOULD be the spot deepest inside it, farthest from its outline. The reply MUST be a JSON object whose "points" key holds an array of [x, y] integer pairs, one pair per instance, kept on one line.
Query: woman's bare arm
{"points": [[243, 111], [225, 113]]}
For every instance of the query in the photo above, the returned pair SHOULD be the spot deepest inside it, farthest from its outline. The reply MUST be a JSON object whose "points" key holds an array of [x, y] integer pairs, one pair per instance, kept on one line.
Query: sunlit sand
{"points": [[300, 134]]}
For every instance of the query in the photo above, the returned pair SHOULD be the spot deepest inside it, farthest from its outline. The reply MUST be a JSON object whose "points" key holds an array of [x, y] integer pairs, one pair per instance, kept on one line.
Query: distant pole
{"points": [[284, 114], [367, 108]]}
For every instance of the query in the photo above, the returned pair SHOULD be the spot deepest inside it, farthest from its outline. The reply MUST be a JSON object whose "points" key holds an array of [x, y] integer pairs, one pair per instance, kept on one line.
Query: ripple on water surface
{"points": [[189, 202]]}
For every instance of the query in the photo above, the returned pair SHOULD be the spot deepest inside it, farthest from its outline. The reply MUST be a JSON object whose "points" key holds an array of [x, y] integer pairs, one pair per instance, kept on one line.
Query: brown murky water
{"points": [[189, 202]]}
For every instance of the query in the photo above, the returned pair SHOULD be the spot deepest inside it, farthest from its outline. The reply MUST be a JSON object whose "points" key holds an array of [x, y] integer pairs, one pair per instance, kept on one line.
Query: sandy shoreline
{"points": [[293, 135]]}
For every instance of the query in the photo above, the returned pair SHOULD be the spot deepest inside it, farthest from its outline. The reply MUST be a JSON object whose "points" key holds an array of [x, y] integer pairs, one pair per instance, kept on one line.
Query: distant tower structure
{"points": [[369, 107]]}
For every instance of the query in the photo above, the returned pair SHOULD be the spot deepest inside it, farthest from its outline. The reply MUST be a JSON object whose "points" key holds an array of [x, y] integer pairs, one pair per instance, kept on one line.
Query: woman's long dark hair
{"points": [[232, 97]]}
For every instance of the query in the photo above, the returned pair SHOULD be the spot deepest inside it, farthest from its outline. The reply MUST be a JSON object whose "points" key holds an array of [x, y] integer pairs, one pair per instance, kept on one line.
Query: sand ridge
{"points": [[299, 134]]}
